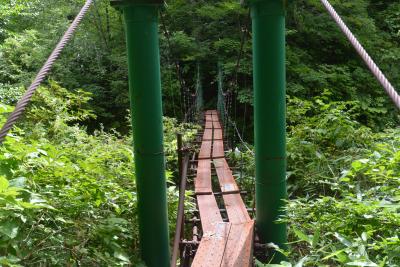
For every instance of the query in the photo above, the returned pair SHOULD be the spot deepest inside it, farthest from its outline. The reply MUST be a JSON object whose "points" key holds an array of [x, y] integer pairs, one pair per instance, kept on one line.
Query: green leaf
{"points": [[362, 263], [3, 183], [333, 254], [302, 236], [9, 229], [301, 262], [18, 182], [315, 238], [364, 236], [357, 165], [343, 240], [121, 256]]}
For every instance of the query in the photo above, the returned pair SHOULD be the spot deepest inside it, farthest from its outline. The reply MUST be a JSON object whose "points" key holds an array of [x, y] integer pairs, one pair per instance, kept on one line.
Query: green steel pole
{"points": [[141, 21], [268, 17]]}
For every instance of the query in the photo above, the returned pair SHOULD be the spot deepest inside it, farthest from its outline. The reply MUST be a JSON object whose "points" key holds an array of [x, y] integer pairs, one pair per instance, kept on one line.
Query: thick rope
{"points": [[24, 101], [364, 55]]}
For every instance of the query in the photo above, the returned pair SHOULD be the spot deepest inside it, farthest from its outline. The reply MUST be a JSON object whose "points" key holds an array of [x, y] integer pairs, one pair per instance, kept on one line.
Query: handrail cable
{"points": [[192, 107], [245, 32], [240, 54], [237, 130], [390, 90], [26, 98], [239, 57]]}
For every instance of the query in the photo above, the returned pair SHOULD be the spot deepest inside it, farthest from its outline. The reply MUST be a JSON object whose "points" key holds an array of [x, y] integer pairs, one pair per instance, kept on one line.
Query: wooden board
{"points": [[209, 124], [217, 134], [226, 180], [239, 247], [220, 163], [218, 149], [209, 212], [212, 247], [216, 124], [202, 181], [208, 135], [205, 150], [237, 212]]}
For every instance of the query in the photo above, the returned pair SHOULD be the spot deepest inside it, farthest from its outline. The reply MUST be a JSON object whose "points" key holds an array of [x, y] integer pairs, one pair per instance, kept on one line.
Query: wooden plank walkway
{"points": [[203, 177], [218, 149], [217, 134], [205, 150], [208, 134], [222, 243]]}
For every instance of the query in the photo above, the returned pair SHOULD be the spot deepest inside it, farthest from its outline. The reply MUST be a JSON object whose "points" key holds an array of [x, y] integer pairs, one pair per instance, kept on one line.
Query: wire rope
{"points": [[26, 98], [390, 90]]}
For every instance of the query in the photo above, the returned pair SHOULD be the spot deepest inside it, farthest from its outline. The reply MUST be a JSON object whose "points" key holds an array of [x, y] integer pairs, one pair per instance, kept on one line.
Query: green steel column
{"points": [[268, 17], [141, 21]]}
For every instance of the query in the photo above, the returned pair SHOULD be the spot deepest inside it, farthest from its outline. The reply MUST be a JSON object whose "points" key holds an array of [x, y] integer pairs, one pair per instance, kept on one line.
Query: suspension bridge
{"points": [[224, 233], [226, 240]]}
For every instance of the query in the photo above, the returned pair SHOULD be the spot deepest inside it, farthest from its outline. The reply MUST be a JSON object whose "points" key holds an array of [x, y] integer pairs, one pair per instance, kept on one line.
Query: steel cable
{"points": [[390, 90], [177, 70], [230, 94], [237, 132], [24, 101]]}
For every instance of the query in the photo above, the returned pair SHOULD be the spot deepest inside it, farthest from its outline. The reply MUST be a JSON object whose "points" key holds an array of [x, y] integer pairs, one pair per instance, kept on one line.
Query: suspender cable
{"points": [[177, 68], [364, 55], [199, 91], [26, 98], [222, 110]]}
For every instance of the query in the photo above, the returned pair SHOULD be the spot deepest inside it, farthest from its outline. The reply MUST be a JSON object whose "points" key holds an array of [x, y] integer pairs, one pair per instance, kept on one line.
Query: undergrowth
{"points": [[343, 184]]}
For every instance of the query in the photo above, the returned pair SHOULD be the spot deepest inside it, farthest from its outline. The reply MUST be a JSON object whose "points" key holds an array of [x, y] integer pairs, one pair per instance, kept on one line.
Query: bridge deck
{"points": [[223, 243], [205, 150]]}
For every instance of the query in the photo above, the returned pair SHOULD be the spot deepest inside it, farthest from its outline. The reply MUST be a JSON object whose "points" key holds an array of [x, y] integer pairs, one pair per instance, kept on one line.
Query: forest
{"points": [[67, 177]]}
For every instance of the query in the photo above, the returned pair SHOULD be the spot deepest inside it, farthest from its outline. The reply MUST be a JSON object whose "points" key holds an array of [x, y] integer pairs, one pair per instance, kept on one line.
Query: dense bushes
{"points": [[68, 197], [343, 181]]}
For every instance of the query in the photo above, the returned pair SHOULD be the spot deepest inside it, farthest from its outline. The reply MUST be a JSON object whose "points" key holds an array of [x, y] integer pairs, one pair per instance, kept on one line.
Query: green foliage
{"points": [[346, 207], [243, 159], [343, 182], [19, 57], [320, 143], [88, 179]]}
